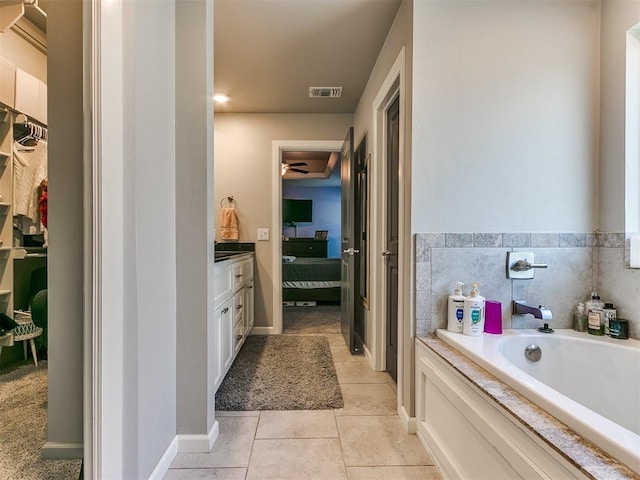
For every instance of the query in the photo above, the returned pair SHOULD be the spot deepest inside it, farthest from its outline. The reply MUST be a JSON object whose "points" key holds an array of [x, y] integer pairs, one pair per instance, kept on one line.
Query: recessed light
{"points": [[221, 98]]}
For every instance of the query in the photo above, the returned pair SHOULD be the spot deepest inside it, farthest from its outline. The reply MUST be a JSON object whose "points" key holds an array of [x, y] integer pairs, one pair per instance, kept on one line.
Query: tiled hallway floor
{"points": [[364, 440]]}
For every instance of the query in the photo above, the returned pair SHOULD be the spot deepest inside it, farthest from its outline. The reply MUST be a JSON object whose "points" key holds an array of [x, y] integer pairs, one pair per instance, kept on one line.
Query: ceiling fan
{"points": [[291, 167]]}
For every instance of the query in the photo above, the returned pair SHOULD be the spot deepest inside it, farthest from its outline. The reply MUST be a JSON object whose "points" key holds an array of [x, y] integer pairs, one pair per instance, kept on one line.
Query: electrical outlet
{"points": [[263, 234]]}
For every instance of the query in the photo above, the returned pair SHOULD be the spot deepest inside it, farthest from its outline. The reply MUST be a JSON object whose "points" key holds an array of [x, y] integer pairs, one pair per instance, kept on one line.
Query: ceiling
{"points": [[267, 53], [318, 165], [35, 15]]}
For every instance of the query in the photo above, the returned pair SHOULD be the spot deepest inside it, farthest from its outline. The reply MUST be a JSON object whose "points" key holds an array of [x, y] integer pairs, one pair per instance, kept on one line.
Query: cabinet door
{"points": [[222, 332], [238, 313], [226, 336], [248, 308]]}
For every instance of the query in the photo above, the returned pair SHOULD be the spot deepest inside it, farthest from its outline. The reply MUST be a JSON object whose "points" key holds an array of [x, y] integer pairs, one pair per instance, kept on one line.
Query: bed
{"points": [[311, 279]]}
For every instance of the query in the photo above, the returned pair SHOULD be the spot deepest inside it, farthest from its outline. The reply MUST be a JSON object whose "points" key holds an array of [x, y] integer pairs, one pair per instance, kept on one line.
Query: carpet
{"points": [[281, 372], [318, 319], [23, 427]]}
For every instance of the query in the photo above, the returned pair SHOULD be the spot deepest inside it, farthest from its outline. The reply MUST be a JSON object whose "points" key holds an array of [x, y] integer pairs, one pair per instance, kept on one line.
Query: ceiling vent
{"points": [[325, 92]]}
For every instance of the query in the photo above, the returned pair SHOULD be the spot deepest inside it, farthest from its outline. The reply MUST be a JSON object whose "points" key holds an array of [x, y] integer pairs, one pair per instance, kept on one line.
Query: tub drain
{"points": [[533, 352]]}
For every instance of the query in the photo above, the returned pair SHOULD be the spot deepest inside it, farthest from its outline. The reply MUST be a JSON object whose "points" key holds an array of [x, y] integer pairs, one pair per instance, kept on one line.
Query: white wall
{"points": [[149, 283], [505, 116], [194, 221], [617, 18], [65, 274], [243, 155]]}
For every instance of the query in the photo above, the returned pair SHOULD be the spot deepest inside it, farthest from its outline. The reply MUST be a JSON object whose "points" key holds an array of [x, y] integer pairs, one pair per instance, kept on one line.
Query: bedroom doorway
{"points": [[310, 217]]}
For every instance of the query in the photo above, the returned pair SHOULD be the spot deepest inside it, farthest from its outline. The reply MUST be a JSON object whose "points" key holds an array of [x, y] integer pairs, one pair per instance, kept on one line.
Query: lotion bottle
{"points": [[456, 309], [473, 317]]}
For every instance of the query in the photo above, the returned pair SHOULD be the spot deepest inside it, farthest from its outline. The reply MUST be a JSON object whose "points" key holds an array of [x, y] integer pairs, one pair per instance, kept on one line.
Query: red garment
{"points": [[42, 204]]}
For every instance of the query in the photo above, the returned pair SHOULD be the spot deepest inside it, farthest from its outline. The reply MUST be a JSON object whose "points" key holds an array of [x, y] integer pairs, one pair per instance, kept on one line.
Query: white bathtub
{"points": [[592, 384]]}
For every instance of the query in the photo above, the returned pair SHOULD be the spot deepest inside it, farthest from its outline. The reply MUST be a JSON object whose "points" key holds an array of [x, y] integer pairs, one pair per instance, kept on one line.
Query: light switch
{"points": [[263, 234]]}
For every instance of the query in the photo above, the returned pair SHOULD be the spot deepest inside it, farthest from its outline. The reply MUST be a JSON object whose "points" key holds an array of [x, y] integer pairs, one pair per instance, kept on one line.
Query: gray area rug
{"points": [[281, 372], [23, 427], [318, 319]]}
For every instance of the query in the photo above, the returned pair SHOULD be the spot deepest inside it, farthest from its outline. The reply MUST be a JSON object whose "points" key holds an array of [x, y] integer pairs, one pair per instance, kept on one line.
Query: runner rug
{"points": [[281, 372]]}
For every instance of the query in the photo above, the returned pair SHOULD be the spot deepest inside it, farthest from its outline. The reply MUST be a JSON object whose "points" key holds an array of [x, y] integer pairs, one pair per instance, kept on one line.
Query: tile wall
{"points": [[615, 281], [577, 264]]}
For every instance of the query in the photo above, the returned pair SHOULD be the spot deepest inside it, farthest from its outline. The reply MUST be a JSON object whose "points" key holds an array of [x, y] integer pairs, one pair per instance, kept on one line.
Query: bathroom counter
{"points": [[221, 256], [581, 453]]}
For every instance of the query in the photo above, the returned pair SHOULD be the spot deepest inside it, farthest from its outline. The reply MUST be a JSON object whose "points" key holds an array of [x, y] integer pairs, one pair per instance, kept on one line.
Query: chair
{"points": [[26, 331], [39, 309], [33, 323]]}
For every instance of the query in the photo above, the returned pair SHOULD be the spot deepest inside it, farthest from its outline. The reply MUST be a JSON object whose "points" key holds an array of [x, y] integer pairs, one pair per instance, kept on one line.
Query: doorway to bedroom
{"points": [[323, 211], [310, 204]]}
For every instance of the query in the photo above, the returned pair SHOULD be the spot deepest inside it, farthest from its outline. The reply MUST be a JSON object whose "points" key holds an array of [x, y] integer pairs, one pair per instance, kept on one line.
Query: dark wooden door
{"points": [[361, 199], [348, 291], [392, 234]]}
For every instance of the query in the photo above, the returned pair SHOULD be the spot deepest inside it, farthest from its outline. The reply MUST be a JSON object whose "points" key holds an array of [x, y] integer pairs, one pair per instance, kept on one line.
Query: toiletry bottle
{"points": [[456, 309], [608, 314], [580, 319], [473, 316], [594, 315]]}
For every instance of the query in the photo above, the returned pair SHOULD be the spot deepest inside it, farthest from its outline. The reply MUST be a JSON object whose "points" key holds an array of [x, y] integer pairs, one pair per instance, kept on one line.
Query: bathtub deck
{"points": [[585, 455]]}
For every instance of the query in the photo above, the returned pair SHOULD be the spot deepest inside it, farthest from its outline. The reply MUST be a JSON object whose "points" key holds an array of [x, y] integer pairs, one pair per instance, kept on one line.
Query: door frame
{"points": [[279, 146], [395, 84], [103, 378]]}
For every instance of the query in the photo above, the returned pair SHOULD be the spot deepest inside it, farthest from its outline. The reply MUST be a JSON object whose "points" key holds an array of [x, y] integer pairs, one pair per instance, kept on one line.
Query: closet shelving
{"points": [[6, 211]]}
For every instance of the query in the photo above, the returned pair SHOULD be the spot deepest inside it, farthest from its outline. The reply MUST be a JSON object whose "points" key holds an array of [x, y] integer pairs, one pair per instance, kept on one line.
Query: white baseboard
{"points": [[58, 450], [408, 422], [369, 357], [198, 443], [263, 331], [165, 461]]}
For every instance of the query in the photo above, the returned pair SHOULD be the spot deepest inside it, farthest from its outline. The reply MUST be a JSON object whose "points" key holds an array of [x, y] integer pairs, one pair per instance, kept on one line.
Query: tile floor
{"points": [[364, 440]]}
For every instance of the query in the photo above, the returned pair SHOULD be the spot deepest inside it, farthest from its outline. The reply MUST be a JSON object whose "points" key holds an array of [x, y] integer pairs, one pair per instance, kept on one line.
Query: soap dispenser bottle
{"points": [[473, 316], [456, 309]]}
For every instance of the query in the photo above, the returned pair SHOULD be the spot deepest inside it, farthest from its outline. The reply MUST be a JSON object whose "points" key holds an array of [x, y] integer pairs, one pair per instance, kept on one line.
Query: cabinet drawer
{"points": [[242, 273], [222, 284]]}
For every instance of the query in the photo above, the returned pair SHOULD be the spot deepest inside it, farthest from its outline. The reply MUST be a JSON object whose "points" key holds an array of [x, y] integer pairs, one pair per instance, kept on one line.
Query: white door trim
{"points": [[279, 146], [393, 85], [103, 270]]}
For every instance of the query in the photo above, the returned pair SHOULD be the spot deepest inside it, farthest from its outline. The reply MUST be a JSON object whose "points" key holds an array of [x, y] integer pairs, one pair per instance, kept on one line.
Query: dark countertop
{"points": [[235, 247], [220, 256]]}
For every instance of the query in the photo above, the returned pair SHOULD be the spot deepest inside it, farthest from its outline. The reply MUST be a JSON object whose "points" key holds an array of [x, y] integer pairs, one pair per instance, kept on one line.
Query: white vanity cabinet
{"points": [[233, 309]]}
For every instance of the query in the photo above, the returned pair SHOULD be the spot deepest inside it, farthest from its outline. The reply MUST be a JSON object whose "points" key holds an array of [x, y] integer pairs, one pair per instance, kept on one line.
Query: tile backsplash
{"points": [[577, 264]]}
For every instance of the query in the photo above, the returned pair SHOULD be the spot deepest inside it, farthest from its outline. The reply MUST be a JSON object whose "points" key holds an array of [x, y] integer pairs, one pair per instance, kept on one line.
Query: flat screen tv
{"points": [[296, 211]]}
